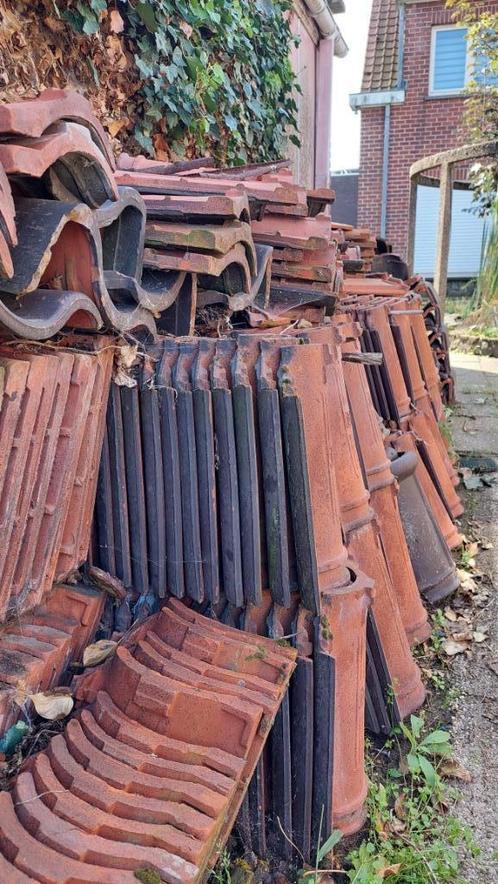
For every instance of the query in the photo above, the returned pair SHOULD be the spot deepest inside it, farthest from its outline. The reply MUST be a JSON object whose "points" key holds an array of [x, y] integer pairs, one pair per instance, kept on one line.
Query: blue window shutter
{"points": [[450, 60]]}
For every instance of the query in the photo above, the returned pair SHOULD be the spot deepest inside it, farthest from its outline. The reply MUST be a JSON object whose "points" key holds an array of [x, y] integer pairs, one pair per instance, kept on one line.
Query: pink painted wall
{"points": [[304, 61]]}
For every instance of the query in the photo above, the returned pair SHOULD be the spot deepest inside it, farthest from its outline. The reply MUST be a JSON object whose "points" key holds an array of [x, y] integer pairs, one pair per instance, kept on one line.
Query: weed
{"points": [[222, 873], [446, 433], [412, 838]]}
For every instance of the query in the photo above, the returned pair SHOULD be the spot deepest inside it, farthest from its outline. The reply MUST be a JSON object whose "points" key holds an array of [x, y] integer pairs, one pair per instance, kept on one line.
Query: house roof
{"points": [[381, 59]]}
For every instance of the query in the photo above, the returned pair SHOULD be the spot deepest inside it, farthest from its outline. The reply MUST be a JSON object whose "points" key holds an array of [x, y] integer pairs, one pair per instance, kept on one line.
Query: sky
{"points": [[347, 78]]}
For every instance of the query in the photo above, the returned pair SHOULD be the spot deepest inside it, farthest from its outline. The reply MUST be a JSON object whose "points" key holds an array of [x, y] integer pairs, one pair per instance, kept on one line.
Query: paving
{"points": [[475, 420], [475, 726]]}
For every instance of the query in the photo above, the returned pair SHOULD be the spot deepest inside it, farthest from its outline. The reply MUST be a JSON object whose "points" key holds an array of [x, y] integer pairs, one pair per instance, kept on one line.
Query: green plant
{"points": [[423, 749], [412, 838], [222, 873], [212, 75], [487, 281], [324, 852]]}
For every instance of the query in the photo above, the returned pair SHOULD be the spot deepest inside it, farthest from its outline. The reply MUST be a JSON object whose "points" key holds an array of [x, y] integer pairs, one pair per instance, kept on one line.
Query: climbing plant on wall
{"points": [[213, 74]]}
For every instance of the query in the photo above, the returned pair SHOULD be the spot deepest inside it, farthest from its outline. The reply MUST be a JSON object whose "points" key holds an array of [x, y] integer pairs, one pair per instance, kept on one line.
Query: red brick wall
{"points": [[419, 127]]}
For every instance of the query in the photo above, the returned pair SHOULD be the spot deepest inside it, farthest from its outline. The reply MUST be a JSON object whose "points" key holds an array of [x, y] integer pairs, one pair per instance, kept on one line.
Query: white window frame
{"points": [[436, 93]]}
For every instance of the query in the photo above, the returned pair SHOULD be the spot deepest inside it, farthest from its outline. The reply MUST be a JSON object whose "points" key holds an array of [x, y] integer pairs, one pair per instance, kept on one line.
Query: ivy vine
{"points": [[214, 74]]}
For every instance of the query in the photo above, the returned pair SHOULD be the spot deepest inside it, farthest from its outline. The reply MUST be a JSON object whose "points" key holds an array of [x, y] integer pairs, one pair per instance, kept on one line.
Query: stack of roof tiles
{"points": [[293, 485], [51, 431], [151, 772], [59, 198]]}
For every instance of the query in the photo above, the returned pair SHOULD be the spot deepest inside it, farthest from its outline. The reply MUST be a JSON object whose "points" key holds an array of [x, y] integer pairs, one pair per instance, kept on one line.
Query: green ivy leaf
{"points": [[146, 13], [171, 72], [231, 122], [98, 6]]}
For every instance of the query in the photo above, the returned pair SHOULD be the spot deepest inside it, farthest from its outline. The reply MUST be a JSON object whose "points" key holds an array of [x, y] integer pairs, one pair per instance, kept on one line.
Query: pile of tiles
{"points": [[37, 648], [151, 772], [217, 454], [51, 430], [52, 422], [275, 497], [438, 336], [358, 247], [59, 198]]}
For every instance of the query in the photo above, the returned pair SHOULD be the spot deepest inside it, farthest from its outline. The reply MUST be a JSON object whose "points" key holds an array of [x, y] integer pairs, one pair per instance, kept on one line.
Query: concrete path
{"points": [[474, 422], [474, 426]]}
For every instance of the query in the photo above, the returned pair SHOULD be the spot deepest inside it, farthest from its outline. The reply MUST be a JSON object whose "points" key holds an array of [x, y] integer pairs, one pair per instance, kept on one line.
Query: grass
{"points": [[413, 837]]}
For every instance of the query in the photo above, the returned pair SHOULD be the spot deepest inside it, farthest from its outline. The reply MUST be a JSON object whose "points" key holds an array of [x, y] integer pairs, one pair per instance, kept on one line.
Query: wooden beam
{"points": [[412, 222], [444, 233]]}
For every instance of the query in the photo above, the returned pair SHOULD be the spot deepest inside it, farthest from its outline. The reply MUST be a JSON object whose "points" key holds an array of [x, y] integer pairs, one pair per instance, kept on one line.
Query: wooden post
{"points": [[444, 233], [412, 222]]}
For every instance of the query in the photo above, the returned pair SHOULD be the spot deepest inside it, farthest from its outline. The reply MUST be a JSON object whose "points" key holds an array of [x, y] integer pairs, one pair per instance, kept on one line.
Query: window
{"points": [[453, 65], [449, 62]]}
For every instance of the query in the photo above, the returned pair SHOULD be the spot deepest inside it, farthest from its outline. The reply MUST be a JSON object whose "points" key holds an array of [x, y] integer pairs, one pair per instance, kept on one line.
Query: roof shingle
{"points": [[381, 59]]}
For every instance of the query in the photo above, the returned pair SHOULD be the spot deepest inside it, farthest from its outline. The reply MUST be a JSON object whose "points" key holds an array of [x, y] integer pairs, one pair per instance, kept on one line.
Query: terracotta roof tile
{"points": [[381, 58]]}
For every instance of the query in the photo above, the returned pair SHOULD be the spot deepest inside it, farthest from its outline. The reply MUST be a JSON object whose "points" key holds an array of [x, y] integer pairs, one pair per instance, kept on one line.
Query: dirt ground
{"points": [[475, 677]]}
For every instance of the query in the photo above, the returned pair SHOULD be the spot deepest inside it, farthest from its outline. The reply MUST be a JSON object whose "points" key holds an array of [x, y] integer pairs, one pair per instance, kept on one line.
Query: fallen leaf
{"points": [[472, 549], [125, 357], [116, 23], [399, 807], [56, 25], [453, 770], [115, 126], [51, 705], [395, 826], [464, 636], [389, 871], [452, 648], [479, 637], [98, 652], [486, 544], [467, 582], [107, 582], [450, 614]]}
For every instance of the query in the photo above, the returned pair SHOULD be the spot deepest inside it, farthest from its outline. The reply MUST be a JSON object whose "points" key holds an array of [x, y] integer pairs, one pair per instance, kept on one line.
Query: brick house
{"points": [[417, 66]]}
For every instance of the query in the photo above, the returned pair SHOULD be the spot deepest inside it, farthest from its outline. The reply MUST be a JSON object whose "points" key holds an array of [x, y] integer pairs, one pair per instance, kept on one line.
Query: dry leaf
{"points": [[451, 648], [479, 636], [450, 614], [51, 705], [463, 636], [399, 807], [113, 585], [115, 126], [125, 357], [55, 24], [116, 23], [453, 770], [486, 544], [395, 826], [467, 582], [389, 871], [98, 652]]}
